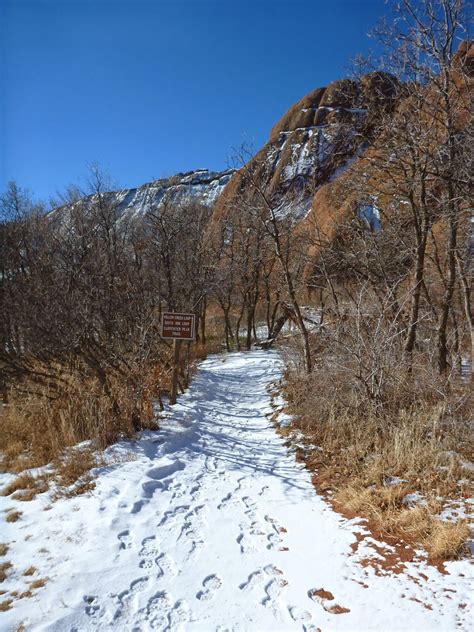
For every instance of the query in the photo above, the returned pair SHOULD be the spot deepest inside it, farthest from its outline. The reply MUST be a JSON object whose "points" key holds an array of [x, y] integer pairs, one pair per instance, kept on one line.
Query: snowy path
{"points": [[214, 526]]}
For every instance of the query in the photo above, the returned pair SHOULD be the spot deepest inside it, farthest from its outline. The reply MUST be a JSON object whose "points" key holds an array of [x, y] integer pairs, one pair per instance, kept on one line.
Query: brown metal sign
{"points": [[177, 326]]}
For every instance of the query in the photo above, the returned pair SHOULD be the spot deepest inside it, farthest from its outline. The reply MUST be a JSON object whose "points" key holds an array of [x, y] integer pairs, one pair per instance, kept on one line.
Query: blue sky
{"points": [[147, 88]]}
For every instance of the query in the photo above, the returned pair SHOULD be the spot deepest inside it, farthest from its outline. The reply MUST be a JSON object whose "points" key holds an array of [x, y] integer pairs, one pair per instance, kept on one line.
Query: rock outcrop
{"points": [[200, 186], [313, 143]]}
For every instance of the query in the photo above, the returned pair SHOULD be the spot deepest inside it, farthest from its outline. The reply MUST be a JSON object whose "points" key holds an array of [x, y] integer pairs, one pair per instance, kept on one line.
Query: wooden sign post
{"points": [[177, 327]]}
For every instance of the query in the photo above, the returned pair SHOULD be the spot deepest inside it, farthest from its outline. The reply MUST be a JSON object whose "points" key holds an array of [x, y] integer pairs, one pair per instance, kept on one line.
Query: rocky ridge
{"points": [[314, 143], [201, 186]]}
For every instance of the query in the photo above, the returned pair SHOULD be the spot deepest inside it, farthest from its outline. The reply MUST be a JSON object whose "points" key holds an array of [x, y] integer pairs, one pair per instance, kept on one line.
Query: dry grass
{"points": [[4, 567], [448, 540], [40, 426], [5, 605], [38, 583], [419, 524], [37, 425], [25, 481], [13, 516], [3, 549], [372, 454], [26, 487], [73, 471], [31, 570]]}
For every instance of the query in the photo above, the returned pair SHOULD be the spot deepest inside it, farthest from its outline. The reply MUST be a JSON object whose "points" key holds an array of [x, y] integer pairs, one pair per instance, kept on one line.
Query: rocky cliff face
{"points": [[313, 143], [201, 186], [304, 167]]}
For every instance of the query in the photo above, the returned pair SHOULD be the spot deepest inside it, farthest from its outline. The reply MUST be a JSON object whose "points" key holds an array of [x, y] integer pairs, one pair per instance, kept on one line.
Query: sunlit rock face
{"points": [[200, 186], [314, 143]]}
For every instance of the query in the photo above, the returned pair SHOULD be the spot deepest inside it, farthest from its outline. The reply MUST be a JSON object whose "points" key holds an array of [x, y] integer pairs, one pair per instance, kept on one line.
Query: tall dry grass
{"points": [[370, 452], [39, 424]]}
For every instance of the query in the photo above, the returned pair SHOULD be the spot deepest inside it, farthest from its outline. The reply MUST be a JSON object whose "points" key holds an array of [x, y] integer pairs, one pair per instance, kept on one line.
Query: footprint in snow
{"points": [[299, 615], [171, 514], [166, 566], [161, 614], [196, 492], [157, 610], [148, 552], [226, 501], [93, 608], [193, 525], [136, 587], [179, 615], [258, 577], [254, 579], [211, 585], [324, 598], [274, 542], [249, 502], [273, 589], [274, 539], [125, 539], [247, 543], [274, 593]]}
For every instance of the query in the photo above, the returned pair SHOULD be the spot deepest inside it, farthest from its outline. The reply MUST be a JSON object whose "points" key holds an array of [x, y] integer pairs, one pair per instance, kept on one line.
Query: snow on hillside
{"points": [[211, 524], [201, 186], [298, 158]]}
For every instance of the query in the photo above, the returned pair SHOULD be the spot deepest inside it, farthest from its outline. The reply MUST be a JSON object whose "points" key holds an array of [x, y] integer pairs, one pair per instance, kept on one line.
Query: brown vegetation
{"points": [[12, 516], [26, 486], [386, 411], [4, 567], [369, 459], [38, 583], [81, 294]]}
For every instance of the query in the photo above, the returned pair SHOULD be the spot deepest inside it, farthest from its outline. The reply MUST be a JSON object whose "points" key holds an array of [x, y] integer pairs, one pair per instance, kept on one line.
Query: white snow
{"points": [[210, 524], [202, 186], [370, 214]]}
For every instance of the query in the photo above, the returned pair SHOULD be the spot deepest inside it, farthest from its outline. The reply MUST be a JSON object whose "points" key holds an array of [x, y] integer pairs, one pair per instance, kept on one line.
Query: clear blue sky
{"points": [[148, 88]]}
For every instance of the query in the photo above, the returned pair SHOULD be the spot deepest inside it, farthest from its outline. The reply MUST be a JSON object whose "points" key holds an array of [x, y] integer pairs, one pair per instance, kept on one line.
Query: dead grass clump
{"points": [[448, 539], [419, 524], [25, 481], [3, 549], [4, 567], [25, 487], [5, 605], [31, 570], [38, 583], [73, 471], [13, 516]]}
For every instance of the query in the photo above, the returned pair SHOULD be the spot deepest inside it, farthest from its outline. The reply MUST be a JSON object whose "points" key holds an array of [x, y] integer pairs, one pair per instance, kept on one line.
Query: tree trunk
{"points": [[449, 292], [416, 295]]}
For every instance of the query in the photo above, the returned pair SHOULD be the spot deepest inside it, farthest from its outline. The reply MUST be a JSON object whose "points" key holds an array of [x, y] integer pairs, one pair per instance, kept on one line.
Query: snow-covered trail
{"points": [[215, 526]]}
